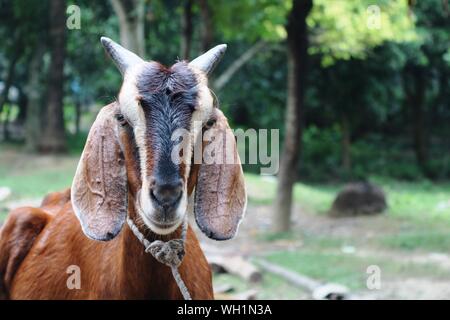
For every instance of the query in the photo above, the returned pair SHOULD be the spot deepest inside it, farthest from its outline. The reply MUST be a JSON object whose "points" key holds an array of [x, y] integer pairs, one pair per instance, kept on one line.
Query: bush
{"points": [[321, 154], [372, 155]]}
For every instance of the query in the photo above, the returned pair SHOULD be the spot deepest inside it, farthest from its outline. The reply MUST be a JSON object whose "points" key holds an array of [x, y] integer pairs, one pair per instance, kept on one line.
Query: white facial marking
{"points": [[130, 108], [201, 114]]}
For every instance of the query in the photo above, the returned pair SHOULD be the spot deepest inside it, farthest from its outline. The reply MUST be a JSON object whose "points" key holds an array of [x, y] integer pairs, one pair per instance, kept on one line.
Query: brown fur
{"points": [[37, 247]]}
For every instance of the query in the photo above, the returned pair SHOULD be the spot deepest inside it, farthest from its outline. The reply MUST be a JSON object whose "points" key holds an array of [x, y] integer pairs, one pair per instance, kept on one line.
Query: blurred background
{"points": [[360, 90]]}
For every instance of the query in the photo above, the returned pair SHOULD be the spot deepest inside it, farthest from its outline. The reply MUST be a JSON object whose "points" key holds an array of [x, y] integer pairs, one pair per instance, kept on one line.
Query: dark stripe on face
{"points": [[168, 99]]}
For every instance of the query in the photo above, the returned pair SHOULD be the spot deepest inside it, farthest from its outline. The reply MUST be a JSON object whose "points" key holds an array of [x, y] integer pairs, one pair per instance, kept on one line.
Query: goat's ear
{"points": [[99, 189], [220, 196]]}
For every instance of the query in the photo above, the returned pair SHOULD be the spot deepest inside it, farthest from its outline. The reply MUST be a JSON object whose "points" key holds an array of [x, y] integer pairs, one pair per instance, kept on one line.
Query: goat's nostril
{"points": [[167, 194]]}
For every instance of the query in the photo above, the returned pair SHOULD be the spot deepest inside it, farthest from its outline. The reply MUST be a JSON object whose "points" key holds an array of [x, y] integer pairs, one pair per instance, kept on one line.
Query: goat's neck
{"points": [[155, 279]]}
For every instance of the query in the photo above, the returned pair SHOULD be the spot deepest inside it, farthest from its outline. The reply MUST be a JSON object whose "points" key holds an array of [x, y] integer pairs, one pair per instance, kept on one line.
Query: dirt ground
{"points": [[357, 230]]}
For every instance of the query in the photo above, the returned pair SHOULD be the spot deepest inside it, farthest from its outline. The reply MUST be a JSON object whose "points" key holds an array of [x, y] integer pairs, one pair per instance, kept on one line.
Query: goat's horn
{"points": [[123, 58], [209, 60]]}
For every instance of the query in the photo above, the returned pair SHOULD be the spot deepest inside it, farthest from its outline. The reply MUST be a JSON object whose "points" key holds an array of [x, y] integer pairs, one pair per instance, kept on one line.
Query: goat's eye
{"points": [[121, 119], [210, 123]]}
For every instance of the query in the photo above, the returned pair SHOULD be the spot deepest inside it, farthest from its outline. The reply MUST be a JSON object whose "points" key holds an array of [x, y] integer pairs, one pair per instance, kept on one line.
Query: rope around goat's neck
{"points": [[170, 253]]}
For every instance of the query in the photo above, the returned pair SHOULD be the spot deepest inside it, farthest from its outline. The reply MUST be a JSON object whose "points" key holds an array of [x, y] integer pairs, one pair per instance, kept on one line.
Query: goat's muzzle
{"points": [[163, 204], [166, 195]]}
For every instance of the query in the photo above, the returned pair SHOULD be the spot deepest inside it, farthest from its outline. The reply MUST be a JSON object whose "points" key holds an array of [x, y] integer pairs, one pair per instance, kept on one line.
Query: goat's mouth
{"points": [[163, 224], [161, 221]]}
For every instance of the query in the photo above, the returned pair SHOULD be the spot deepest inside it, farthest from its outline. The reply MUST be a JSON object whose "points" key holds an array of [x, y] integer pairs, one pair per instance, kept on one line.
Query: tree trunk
{"points": [[346, 144], [33, 119], [131, 15], [9, 78], [77, 116], [186, 30], [6, 124], [23, 106], [206, 31], [54, 139], [297, 43], [419, 130], [415, 86]]}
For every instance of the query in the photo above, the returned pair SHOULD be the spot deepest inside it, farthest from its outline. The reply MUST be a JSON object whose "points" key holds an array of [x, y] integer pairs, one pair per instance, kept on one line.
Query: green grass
{"points": [[420, 201], [347, 269], [275, 236], [322, 266], [35, 184], [262, 191], [31, 177], [423, 240], [271, 287]]}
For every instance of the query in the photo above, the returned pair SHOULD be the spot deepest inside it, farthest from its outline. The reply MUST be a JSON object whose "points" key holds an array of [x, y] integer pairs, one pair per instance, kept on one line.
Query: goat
{"points": [[126, 172]]}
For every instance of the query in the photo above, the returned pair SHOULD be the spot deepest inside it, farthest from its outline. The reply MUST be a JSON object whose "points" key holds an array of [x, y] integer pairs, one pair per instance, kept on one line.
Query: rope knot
{"points": [[170, 253]]}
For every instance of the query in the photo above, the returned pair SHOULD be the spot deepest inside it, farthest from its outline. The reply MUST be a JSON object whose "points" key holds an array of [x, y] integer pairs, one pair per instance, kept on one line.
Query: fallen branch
{"points": [[318, 290], [235, 265], [223, 79], [223, 289], [246, 295]]}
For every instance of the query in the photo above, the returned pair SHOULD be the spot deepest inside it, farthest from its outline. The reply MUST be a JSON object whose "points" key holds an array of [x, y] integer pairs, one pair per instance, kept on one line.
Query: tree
{"points": [[12, 45], [54, 138], [415, 88], [426, 65], [131, 15], [297, 45], [24, 21], [186, 29], [206, 25], [346, 33], [237, 21], [10, 71], [33, 119]]}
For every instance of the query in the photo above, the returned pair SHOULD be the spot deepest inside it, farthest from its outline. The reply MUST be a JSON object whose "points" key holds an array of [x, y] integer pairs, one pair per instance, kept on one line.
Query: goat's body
{"points": [[127, 169], [38, 246]]}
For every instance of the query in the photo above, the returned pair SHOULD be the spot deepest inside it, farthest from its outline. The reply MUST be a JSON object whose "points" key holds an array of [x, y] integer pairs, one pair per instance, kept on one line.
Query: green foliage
{"points": [[344, 29], [356, 73], [252, 19], [321, 154], [91, 77], [255, 97], [75, 143]]}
